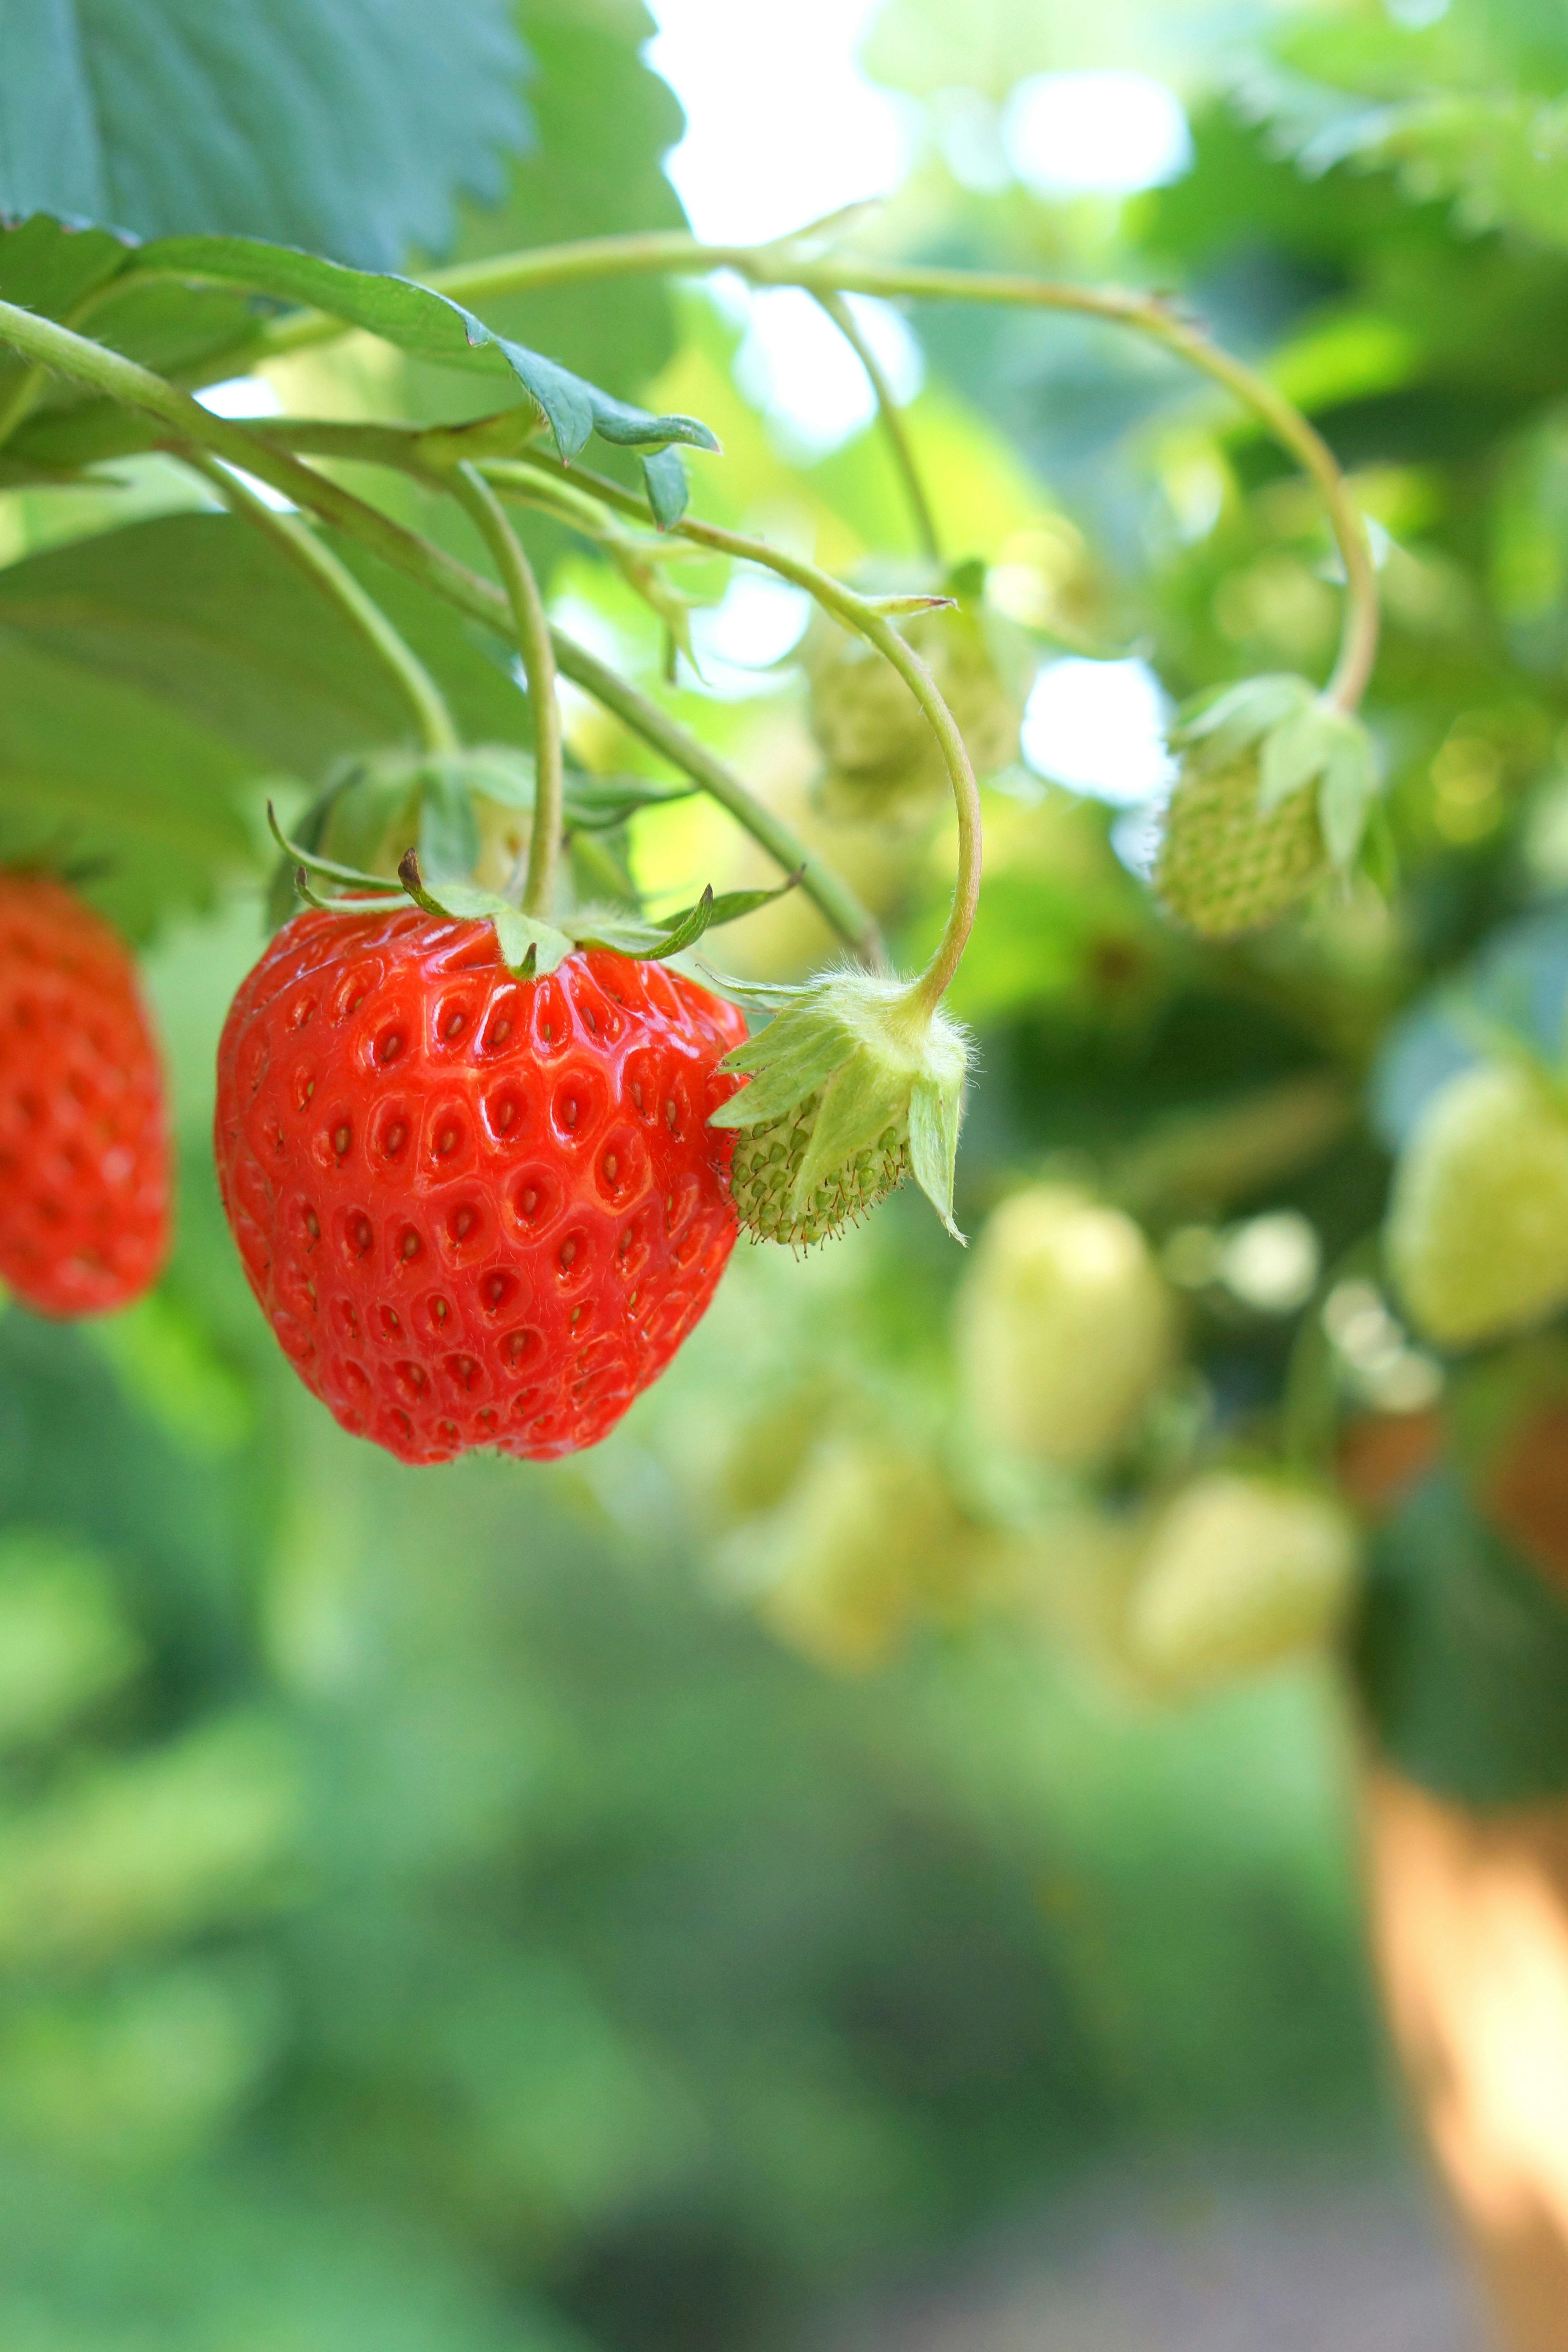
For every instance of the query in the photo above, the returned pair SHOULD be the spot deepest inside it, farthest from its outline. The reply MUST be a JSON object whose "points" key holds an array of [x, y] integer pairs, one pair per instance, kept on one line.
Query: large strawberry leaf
{"points": [[346, 125], [150, 680]]}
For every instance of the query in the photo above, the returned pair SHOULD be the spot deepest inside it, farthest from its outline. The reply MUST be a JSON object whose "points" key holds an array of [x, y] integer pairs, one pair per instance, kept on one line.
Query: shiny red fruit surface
{"points": [[477, 1209], [84, 1154]]}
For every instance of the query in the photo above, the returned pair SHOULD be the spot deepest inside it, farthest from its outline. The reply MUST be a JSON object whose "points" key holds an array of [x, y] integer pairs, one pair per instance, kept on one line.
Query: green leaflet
{"points": [[797, 1053], [181, 303], [419, 321]]}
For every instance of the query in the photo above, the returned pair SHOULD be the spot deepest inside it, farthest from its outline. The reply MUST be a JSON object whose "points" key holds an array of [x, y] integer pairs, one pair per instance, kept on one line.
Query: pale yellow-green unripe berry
{"points": [[1237, 1573], [1065, 1326]]}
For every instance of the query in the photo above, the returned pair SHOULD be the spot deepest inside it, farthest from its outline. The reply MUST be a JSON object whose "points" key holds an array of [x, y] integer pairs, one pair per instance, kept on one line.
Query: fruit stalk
{"points": [[799, 261], [474, 494], [64, 353], [844, 319], [437, 732], [859, 612]]}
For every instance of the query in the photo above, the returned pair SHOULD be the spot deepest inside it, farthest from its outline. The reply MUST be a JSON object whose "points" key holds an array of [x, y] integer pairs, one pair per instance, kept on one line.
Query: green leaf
{"points": [[685, 930], [529, 946], [1461, 1654], [336, 124], [664, 477], [731, 905], [1237, 717], [418, 320], [1345, 798], [597, 803], [604, 122], [94, 769], [150, 679], [206, 614]]}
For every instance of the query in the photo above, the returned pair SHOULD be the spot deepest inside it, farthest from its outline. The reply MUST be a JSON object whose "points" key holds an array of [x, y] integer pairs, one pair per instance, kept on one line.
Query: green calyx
{"points": [[530, 945], [853, 1085], [1275, 789]]}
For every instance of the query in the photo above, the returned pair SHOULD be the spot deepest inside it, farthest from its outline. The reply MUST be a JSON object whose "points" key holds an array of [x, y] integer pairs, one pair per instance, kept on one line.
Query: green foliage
{"points": [[324, 123], [156, 676]]}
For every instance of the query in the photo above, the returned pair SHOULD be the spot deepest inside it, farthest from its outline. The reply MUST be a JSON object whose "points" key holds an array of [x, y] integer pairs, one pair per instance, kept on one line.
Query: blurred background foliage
{"points": [[635, 1904]]}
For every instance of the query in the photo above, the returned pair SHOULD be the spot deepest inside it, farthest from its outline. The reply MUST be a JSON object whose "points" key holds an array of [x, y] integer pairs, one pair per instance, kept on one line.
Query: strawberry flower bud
{"points": [[853, 1085], [1274, 791]]}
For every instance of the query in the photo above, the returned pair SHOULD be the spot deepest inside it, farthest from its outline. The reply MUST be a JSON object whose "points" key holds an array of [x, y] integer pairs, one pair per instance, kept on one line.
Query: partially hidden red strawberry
{"points": [[84, 1153], [477, 1210]]}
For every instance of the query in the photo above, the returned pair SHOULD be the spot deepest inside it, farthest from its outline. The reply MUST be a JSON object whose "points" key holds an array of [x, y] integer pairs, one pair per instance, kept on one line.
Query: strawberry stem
{"points": [[808, 260], [888, 409], [186, 425], [861, 613], [474, 494]]}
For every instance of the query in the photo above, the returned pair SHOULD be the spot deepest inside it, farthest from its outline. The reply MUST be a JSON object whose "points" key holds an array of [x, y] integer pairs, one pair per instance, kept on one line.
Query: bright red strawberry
{"points": [[477, 1209], [84, 1155]]}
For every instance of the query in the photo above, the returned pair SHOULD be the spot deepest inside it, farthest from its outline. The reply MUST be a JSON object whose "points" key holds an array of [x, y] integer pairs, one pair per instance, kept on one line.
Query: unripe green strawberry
{"points": [[1225, 864], [853, 1085], [1477, 1225], [883, 758], [1065, 1326], [1273, 794], [1237, 1572]]}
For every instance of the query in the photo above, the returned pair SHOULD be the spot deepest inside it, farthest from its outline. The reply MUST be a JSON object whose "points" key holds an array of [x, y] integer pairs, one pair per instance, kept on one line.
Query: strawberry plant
{"points": [[624, 1016]]}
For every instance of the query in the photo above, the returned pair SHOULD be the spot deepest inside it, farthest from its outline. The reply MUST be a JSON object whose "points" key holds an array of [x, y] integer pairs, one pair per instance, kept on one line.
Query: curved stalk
{"points": [[419, 690], [859, 613], [828, 892], [888, 409], [64, 353], [801, 262], [474, 494]]}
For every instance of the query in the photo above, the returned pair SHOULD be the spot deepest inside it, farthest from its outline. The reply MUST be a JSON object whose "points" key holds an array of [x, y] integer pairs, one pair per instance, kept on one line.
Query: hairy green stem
{"points": [[419, 690], [66, 353], [532, 627], [857, 612], [801, 262], [888, 409]]}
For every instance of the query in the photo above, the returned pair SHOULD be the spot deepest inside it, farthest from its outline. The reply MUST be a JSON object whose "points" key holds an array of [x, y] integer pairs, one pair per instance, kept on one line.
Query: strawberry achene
{"points": [[84, 1156], [477, 1209]]}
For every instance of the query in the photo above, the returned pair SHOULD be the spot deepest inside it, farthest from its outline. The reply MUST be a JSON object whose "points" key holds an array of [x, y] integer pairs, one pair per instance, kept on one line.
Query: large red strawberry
{"points": [[84, 1156], [477, 1210]]}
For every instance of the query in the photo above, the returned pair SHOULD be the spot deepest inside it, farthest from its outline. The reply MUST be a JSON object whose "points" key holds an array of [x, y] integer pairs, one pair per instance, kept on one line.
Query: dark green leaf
{"points": [[685, 930], [346, 125], [204, 613], [664, 477], [604, 120]]}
